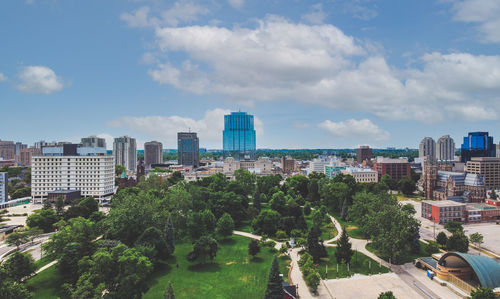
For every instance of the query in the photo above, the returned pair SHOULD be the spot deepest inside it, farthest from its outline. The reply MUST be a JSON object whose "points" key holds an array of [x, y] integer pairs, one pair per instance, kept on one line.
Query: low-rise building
{"points": [[261, 166], [362, 175], [443, 211], [332, 171], [396, 168]]}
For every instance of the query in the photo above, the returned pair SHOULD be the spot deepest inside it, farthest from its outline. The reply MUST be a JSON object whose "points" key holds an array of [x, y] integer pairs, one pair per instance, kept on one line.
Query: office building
{"points": [[73, 167], [17, 150], [477, 144], [153, 153], [362, 175], [427, 148], [498, 150], [239, 139], [7, 150], [125, 152], [26, 155], [93, 141], [4, 187], [332, 171], [487, 167], [287, 164], [396, 168], [445, 149], [363, 153], [188, 149]]}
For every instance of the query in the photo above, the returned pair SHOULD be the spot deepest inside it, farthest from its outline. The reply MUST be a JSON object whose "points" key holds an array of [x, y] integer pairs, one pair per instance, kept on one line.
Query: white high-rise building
{"points": [[427, 148], [89, 171], [125, 152], [445, 148], [4, 186]]}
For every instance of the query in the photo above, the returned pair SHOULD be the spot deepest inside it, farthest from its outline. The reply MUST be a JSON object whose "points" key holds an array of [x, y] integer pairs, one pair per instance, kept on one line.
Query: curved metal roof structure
{"points": [[487, 269]]}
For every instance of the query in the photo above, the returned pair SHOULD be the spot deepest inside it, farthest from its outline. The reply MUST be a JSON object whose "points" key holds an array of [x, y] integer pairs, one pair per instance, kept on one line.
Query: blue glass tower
{"points": [[239, 136], [477, 144]]}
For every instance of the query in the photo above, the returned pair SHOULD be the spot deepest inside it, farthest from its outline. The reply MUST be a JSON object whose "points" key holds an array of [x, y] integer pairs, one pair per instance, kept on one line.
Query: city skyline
{"points": [[432, 84]]}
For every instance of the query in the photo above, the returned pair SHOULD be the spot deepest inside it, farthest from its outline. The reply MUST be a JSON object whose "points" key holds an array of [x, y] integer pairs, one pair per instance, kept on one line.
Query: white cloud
{"points": [[301, 125], [39, 79], [181, 12], [236, 3], [165, 128], [484, 13], [360, 9], [319, 65], [316, 15], [3, 77], [363, 129]]}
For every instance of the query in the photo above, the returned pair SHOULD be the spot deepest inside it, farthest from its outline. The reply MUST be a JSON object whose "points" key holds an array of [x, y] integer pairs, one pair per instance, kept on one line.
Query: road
{"points": [[33, 248]]}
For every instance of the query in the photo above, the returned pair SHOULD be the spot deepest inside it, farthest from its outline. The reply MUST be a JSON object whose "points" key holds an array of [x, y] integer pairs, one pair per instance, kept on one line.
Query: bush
{"points": [[281, 235]]}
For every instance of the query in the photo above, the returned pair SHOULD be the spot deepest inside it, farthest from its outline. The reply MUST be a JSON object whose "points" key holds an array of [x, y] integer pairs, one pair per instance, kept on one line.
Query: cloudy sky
{"points": [[316, 74]]}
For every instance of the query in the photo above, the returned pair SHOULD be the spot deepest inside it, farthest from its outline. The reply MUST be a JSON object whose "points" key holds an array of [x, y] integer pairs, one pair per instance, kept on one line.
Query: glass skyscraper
{"points": [[239, 136], [477, 144]]}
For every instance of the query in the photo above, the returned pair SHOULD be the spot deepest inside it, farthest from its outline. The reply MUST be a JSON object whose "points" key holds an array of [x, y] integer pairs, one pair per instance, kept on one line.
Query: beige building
{"points": [[362, 175], [488, 167], [260, 166]]}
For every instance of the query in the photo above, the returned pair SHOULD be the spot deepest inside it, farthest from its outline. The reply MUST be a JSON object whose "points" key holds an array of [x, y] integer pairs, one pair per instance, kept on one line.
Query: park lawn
{"points": [[407, 259], [245, 226], [360, 263], [42, 262], [233, 273], [46, 284], [352, 228], [402, 197]]}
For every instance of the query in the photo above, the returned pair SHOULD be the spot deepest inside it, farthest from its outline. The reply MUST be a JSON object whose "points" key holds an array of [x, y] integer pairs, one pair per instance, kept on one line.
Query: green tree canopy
{"points": [[274, 284]]}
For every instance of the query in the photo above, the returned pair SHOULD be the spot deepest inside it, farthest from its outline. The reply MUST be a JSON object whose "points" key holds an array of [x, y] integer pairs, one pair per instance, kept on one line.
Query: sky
{"points": [[316, 74]]}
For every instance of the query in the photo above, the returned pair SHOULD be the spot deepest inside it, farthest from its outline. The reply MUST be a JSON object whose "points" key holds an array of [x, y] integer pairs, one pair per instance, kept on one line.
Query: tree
{"points": [[169, 292], [266, 222], [476, 239], [388, 181], [431, 248], [153, 237], [43, 219], [314, 247], [19, 265], [203, 247], [274, 284], [89, 205], [344, 248], [257, 200], [307, 209], [170, 236], [253, 247], [386, 295], [17, 238], [493, 194], [482, 293], [458, 242], [246, 179], [225, 225], [278, 202], [312, 280], [313, 192], [454, 226], [119, 169], [47, 204], [406, 186], [59, 206], [441, 238], [33, 232]]}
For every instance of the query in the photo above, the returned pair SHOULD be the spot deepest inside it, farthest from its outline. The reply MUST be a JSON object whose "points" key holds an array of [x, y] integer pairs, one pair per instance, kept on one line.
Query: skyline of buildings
{"points": [[125, 152]]}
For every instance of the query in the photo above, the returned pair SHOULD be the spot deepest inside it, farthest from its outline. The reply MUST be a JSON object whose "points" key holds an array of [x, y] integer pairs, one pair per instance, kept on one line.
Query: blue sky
{"points": [[325, 74]]}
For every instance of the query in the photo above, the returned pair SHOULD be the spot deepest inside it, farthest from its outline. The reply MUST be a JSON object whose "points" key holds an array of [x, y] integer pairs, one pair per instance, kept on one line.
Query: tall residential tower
{"points": [[427, 148], [445, 148], [239, 136], [125, 152]]}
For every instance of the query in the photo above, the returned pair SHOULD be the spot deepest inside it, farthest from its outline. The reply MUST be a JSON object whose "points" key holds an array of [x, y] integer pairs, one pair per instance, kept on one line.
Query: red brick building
{"points": [[443, 211], [396, 168]]}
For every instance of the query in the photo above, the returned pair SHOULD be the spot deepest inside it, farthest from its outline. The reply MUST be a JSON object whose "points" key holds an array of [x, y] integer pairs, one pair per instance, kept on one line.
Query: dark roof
{"points": [[290, 289], [486, 269]]}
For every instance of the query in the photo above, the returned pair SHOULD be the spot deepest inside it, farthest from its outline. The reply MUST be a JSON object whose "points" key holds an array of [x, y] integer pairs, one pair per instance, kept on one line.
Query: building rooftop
{"points": [[487, 269], [484, 159], [390, 160], [443, 203]]}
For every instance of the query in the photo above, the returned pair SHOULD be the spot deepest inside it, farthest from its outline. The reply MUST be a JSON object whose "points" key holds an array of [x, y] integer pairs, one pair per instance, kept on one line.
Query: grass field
{"points": [[45, 285], [232, 272], [408, 259], [360, 263], [352, 228]]}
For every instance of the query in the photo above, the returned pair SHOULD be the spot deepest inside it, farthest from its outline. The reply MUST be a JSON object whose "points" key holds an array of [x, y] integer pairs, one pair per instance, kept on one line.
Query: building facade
{"points": [[488, 167], [26, 155], [396, 168], [60, 169], [188, 149], [332, 171], [4, 187], [445, 148], [125, 152], [362, 175], [153, 153], [444, 211], [477, 144], [7, 150], [287, 164], [427, 148], [261, 166], [363, 153], [93, 141], [239, 139]]}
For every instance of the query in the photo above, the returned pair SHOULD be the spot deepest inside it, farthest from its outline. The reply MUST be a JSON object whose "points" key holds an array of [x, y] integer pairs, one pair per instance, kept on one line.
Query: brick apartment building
{"points": [[396, 168]]}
